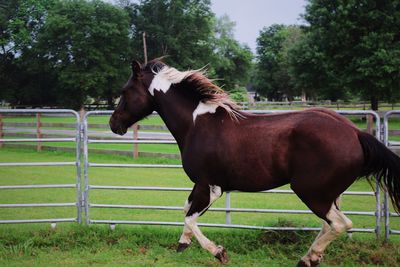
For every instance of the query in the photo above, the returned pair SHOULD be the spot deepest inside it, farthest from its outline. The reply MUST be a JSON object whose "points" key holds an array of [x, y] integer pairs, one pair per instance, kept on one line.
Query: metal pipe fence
{"points": [[227, 209], [83, 190], [39, 140], [388, 214]]}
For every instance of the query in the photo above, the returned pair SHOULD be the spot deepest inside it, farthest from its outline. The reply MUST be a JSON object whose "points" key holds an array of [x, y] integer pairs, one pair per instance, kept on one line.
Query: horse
{"points": [[317, 151]]}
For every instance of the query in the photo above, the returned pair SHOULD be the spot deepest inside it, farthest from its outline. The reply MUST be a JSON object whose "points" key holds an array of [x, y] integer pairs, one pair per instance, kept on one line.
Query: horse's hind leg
{"points": [[337, 223], [203, 197]]}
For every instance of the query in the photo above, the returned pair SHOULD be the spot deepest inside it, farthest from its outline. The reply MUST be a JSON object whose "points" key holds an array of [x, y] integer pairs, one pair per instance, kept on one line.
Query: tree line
{"points": [[67, 53], [70, 52], [348, 49]]}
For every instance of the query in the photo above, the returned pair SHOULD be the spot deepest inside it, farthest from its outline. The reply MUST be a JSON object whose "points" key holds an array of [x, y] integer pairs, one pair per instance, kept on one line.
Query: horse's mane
{"points": [[209, 92]]}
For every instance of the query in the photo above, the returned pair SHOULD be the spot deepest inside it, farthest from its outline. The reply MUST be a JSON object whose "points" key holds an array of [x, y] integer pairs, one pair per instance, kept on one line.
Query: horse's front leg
{"points": [[202, 198], [186, 237]]}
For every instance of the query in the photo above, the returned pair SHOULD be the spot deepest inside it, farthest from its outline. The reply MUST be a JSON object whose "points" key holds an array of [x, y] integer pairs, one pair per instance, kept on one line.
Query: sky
{"points": [[252, 15]]}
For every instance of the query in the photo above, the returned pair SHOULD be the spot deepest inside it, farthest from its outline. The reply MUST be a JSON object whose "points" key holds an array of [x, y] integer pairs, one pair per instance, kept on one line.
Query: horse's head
{"points": [[135, 102]]}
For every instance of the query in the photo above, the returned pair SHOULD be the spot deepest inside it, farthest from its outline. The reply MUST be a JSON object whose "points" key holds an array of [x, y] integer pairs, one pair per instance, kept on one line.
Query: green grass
{"points": [[72, 245], [155, 246]]}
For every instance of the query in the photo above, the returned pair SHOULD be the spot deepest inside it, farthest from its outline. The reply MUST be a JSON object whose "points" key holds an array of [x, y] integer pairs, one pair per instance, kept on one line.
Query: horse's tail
{"points": [[384, 164]]}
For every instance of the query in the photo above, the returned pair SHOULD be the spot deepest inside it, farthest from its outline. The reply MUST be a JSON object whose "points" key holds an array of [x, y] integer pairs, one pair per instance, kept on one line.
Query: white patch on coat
{"points": [[167, 76], [203, 108]]}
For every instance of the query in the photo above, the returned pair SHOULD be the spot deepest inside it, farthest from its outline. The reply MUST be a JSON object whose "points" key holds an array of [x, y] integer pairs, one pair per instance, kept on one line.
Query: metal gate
{"points": [[227, 209], [391, 144], [77, 185], [85, 200]]}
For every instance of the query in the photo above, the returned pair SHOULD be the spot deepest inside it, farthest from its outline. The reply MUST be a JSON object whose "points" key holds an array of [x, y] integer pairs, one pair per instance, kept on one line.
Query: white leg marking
{"points": [[191, 224], [187, 233], [339, 224], [187, 206], [215, 193], [186, 236], [203, 108], [205, 243]]}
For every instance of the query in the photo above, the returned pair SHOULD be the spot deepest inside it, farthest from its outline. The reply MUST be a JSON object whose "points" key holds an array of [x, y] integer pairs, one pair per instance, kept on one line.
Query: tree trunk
{"points": [[110, 102], [110, 98], [374, 103]]}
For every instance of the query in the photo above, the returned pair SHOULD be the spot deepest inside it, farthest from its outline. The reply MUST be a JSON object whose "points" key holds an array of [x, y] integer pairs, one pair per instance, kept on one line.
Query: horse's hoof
{"points": [[222, 255], [182, 247], [301, 263]]}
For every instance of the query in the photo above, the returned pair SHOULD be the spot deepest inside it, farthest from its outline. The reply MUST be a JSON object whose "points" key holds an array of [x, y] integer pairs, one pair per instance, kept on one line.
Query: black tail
{"points": [[384, 164]]}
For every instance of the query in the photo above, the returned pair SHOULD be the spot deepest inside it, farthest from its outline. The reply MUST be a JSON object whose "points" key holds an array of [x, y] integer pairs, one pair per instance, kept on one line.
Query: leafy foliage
{"points": [[232, 61], [272, 71], [20, 22], [61, 52], [69, 52], [360, 44], [86, 43], [181, 29]]}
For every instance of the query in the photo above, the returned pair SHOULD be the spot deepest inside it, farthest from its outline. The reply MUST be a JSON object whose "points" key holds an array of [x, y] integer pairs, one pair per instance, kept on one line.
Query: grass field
{"points": [[155, 246], [73, 245]]}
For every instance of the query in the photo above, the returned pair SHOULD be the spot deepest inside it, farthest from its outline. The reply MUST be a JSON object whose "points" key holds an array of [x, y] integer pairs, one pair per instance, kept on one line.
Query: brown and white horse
{"points": [[318, 152]]}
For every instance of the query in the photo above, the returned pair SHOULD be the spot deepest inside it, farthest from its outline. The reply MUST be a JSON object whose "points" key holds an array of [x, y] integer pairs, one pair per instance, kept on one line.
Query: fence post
{"points": [[38, 132], [1, 130], [135, 138], [370, 124], [228, 206]]}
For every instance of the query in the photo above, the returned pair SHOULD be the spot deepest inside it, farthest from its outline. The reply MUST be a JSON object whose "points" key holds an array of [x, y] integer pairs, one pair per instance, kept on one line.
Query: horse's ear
{"points": [[136, 67]]}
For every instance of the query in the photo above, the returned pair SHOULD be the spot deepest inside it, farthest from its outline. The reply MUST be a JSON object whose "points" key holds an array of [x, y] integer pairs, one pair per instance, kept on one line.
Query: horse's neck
{"points": [[177, 113]]}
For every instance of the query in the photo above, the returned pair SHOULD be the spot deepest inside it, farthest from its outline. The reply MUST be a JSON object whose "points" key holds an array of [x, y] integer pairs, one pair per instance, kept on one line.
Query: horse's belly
{"points": [[256, 183]]}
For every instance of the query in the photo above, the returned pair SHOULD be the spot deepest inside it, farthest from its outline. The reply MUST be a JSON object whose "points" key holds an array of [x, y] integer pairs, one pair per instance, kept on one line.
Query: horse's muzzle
{"points": [[116, 127]]}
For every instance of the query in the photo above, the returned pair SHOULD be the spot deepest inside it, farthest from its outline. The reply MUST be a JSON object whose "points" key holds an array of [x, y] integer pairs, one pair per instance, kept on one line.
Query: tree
{"points": [[181, 29], [86, 44], [20, 22], [360, 41], [272, 76], [310, 72], [232, 62]]}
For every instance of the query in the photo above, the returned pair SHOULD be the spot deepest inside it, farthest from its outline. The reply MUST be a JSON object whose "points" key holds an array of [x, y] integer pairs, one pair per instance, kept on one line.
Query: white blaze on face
{"points": [[203, 108], [167, 76]]}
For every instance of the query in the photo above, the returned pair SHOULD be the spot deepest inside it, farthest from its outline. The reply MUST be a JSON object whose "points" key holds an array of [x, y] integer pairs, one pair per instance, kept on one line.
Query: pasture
{"points": [[71, 244], [96, 245]]}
